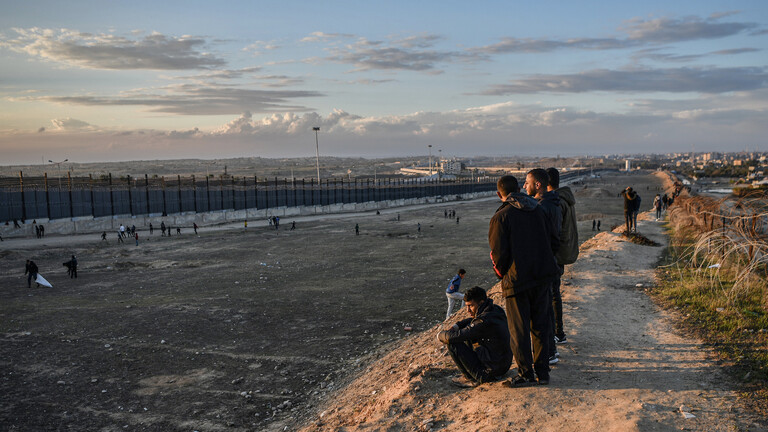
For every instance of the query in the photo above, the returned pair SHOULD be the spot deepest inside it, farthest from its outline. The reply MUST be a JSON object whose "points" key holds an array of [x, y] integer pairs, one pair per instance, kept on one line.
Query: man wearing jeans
{"points": [[487, 329], [452, 292]]}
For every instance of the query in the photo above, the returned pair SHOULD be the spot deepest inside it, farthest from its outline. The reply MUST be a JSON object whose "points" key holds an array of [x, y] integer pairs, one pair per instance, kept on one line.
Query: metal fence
{"points": [[40, 198]]}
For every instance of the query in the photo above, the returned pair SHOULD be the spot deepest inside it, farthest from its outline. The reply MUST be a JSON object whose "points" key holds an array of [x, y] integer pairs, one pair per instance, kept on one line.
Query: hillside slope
{"points": [[625, 367]]}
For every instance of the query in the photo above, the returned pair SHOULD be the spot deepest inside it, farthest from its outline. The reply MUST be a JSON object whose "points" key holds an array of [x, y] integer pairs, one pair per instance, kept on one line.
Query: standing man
{"points": [[657, 206], [162, 228], [136, 236], [357, 229], [536, 184], [630, 200], [122, 230], [194, 225], [72, 267], [487, 329], [569, 246], [522, 258], [452, 292], [151, 228], [31, 269]]}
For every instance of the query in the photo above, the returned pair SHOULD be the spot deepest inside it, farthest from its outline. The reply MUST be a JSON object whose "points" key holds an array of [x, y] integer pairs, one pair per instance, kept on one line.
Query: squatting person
{"points": [[487, 328], [452, 292]]}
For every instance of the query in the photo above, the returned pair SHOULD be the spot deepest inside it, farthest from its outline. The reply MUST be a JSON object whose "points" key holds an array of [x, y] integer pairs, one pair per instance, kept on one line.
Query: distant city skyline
{"points": [[93, 81]]}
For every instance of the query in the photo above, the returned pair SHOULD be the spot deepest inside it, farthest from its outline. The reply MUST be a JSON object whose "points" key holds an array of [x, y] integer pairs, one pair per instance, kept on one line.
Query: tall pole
{"points": [[430, 159], [317, 153]]}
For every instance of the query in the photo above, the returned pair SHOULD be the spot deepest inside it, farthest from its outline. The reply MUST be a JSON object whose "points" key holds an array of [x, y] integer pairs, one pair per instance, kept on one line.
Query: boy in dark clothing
{"points": [[72, 267], [31, 269], [522, 258], [631, 205], [488, 329]]}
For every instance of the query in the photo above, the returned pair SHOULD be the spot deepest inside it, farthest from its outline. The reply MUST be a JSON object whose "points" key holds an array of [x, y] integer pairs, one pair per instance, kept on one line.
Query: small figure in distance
{"points": [[72, 267], [119, 237], [593, 224], [293, 225], [487, 328], [452, 292], [194, 225], [598, 224], [357, 229], [178, 230], [136, 236], [151, 229], [104, 236], [418, 227]]}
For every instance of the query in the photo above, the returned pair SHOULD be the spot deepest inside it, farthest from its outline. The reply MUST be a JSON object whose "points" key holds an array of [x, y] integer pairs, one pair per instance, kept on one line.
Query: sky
{"points": [[102, 80]]}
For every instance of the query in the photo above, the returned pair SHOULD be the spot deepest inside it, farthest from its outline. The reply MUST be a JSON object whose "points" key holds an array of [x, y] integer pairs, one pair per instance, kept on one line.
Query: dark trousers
{"points": [[30, 278], [470, 365], [530, 320], [628, 220], [557, 305], [73, 273]]}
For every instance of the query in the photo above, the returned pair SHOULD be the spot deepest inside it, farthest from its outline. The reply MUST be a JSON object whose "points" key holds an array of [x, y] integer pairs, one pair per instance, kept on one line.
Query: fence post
{"points": [[208, 193], [178, 178], [111, 198], [194, 193], [266, 194], [221, 190], [130, 196], [23, 200], [245, 195], [255, 193], [293, 181], [90, 183], [48, 198], [146, 192], [165, 207], [312, 188]]}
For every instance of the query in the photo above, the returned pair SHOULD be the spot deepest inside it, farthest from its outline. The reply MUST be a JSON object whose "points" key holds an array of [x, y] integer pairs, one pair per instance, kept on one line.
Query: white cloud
{"points": [[107, 51], [69, 124]]}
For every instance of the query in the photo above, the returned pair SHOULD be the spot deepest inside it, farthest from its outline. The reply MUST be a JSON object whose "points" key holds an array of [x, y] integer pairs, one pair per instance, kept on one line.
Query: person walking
{"points": [[119, 237], [293, 225], [657, 204], [151, 229], [521, 255], [162, 228], [31, 270], [122, 230], [418, 227], [136, 236], [357, 229], [194, 226], [569, 247], [104, 236], [245, 225], [452, 292]]}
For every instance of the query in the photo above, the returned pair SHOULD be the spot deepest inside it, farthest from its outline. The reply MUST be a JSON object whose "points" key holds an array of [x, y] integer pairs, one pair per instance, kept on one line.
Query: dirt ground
{"points": [[240, 330]]}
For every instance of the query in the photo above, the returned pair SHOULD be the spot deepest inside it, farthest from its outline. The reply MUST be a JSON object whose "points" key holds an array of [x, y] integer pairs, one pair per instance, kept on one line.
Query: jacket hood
{"points": [[566, 194], [521, 201], [552, 197]]}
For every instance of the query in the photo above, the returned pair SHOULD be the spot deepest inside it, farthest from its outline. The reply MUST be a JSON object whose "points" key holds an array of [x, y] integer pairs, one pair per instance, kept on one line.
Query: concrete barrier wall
{"points": [[111, 224]]}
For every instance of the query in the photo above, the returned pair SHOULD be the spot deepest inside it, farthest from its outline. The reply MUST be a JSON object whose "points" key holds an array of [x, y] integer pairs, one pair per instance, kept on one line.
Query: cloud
{"points": [[220, 74], [69, 124], [257, 47], [638, 32], [412, 54], [667, 30], [699, 79], [736, 51], [325, 37], [195, 100], [105, 51]]}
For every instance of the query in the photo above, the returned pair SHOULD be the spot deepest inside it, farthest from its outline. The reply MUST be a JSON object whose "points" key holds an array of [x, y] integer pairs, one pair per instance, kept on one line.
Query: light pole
{"points": [[430, 159], [317, 153], [58, 165]]}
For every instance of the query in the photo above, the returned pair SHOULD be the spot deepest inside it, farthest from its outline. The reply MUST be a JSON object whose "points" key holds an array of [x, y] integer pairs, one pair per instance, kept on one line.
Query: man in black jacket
{"points": [[488, 329], [521, 252]]}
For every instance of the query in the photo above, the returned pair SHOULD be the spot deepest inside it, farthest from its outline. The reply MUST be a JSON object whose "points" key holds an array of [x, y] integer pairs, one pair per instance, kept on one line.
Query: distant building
{"points": [[628, 165], [451, 166]]}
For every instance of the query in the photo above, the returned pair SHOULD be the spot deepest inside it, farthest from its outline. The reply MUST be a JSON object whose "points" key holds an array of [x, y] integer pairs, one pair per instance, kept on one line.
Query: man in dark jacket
{"points": [[521, 253], [569, 245], [631, 206], [536, 185], [31, 269], [487, 328]]}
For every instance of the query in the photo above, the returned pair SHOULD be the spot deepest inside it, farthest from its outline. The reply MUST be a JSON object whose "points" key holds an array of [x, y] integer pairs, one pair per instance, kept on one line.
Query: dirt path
{"points": [[625, 367]]}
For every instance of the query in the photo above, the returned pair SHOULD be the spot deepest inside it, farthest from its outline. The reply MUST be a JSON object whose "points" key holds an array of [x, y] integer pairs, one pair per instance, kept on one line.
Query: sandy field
{"points": [[261, 329]]}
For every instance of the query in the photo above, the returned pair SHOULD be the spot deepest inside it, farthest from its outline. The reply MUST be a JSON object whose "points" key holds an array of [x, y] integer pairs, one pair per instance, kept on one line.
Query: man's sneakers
{"points": [[554, 359], [561, 340], [464, 382], [519, 381]]}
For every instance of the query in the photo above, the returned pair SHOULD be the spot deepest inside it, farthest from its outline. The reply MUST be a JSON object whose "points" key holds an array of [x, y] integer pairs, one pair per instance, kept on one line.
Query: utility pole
{"points": [[317, 152]]}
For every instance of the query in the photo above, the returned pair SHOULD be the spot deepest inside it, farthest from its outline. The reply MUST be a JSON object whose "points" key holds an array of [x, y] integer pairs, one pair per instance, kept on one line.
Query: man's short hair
{"points": [[540, 176], [462, 271], [475, 294], [554, 177], [507, 184]]}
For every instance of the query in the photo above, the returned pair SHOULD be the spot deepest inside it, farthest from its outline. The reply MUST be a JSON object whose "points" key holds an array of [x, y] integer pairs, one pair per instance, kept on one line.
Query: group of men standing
{"points": [[532, 236]]}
